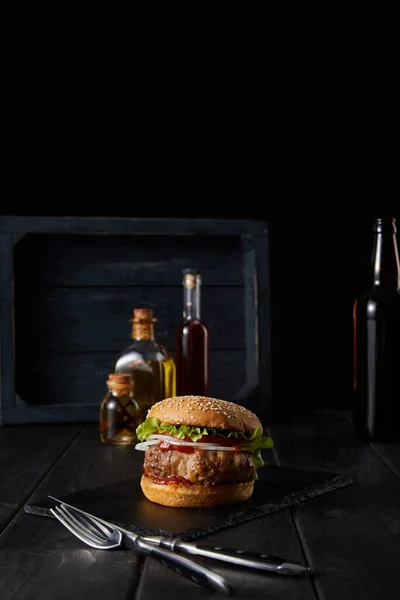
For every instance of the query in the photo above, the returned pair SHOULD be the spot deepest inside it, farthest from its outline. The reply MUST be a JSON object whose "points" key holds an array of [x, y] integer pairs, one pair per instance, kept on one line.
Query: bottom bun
{"points": [[193, 495]]}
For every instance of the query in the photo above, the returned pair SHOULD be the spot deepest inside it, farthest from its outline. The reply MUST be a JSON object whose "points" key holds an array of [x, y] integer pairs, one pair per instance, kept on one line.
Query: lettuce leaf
{"points": [[255, 440], [151, 425]]}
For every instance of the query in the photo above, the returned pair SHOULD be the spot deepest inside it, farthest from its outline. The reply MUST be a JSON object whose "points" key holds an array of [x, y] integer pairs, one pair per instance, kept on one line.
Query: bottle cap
{"points": [[121, 383], [143, 314], [191, 278]]}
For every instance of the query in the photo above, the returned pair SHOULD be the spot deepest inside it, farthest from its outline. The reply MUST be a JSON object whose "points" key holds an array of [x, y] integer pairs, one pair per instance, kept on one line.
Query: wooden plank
{"points": [[97, 319], [258, 329], [26, 455], [128, 225], [262, 275], [53, 565], [81, 377], [88, 260], [349, 535], [390, 454], [7, 390], [39, 558]]}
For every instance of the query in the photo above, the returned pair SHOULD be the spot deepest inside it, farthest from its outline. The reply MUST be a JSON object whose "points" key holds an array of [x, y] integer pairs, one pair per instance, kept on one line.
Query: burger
{"points": [[200, 452]]}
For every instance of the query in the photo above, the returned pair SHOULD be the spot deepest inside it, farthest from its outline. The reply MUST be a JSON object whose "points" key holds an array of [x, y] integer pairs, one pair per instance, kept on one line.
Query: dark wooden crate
{"points": [[68, 288]]}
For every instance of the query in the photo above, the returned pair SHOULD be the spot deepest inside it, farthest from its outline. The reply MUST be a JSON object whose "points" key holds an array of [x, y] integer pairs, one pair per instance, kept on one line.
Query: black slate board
{"points": [[278, 487]]}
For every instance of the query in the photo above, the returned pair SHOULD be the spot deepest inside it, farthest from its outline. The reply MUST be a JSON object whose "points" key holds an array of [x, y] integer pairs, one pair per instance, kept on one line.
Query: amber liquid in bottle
{"points": [[376, 318], [120, 413], [192, 342], [149, 363]]}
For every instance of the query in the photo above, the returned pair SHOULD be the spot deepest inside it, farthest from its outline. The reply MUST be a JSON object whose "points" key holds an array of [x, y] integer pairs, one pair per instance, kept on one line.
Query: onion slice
{"points": [[144, 445], [156, 438], [178, 442]]}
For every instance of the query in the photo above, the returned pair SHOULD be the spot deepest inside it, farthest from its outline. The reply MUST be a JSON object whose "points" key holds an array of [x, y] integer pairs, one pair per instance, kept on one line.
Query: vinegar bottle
{"points": [[376, 318], [192, 341]]}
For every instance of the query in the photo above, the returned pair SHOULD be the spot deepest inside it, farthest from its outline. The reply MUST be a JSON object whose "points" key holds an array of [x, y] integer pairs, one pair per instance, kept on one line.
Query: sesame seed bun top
{"points": [[205, 412]]}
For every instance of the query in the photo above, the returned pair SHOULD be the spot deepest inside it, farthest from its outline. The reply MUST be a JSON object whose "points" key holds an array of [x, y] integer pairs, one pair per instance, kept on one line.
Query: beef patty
{"points": [[207, 467]]}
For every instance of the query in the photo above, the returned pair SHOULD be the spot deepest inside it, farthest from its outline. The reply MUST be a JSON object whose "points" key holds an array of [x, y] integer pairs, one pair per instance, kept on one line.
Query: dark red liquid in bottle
{"points": [[192, 359], [192, 342]]}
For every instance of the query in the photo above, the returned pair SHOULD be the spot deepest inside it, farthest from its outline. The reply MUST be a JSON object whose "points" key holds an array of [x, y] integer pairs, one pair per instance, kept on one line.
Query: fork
{"points": [[99, 536]]}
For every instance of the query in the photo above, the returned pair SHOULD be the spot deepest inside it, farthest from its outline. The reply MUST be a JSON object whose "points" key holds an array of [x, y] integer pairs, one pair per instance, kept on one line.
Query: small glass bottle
{"points": [[149, 363], [119, 411], [377, 342], [192, 341]]}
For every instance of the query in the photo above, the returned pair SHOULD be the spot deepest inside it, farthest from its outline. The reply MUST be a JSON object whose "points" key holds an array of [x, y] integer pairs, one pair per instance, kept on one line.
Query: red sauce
{"points": [[166, 446], [220, 440]]}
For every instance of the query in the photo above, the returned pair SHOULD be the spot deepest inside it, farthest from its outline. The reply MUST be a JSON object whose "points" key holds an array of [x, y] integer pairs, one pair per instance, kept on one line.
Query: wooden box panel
{"points": [[69, 286]]}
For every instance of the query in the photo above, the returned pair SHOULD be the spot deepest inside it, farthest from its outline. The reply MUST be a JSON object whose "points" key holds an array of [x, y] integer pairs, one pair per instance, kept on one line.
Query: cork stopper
{"points": [[120, 383], [143, 324], [191, 278], [143, 314]]}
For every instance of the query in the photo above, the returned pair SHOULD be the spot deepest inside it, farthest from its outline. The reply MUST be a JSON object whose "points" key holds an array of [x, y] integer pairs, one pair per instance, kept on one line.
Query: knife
{"points": [[255, 560]]}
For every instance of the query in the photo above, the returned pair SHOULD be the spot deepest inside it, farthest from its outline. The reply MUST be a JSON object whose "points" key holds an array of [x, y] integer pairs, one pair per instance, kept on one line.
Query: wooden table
{"points": [[350, 537]]}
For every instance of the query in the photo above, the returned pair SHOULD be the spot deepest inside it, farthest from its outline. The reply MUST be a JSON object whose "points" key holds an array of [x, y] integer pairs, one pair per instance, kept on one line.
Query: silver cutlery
{"points": [[103, 535], [254, 560]]}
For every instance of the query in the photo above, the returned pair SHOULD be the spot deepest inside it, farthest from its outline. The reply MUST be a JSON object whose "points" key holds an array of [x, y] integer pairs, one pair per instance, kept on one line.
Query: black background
{"points": [[288, 113]]}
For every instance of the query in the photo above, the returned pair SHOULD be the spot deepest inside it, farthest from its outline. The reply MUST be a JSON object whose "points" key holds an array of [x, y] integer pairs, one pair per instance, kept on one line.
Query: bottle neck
{"points": [[143, 330], [385, 257], [119, 391], [191, 302]]}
